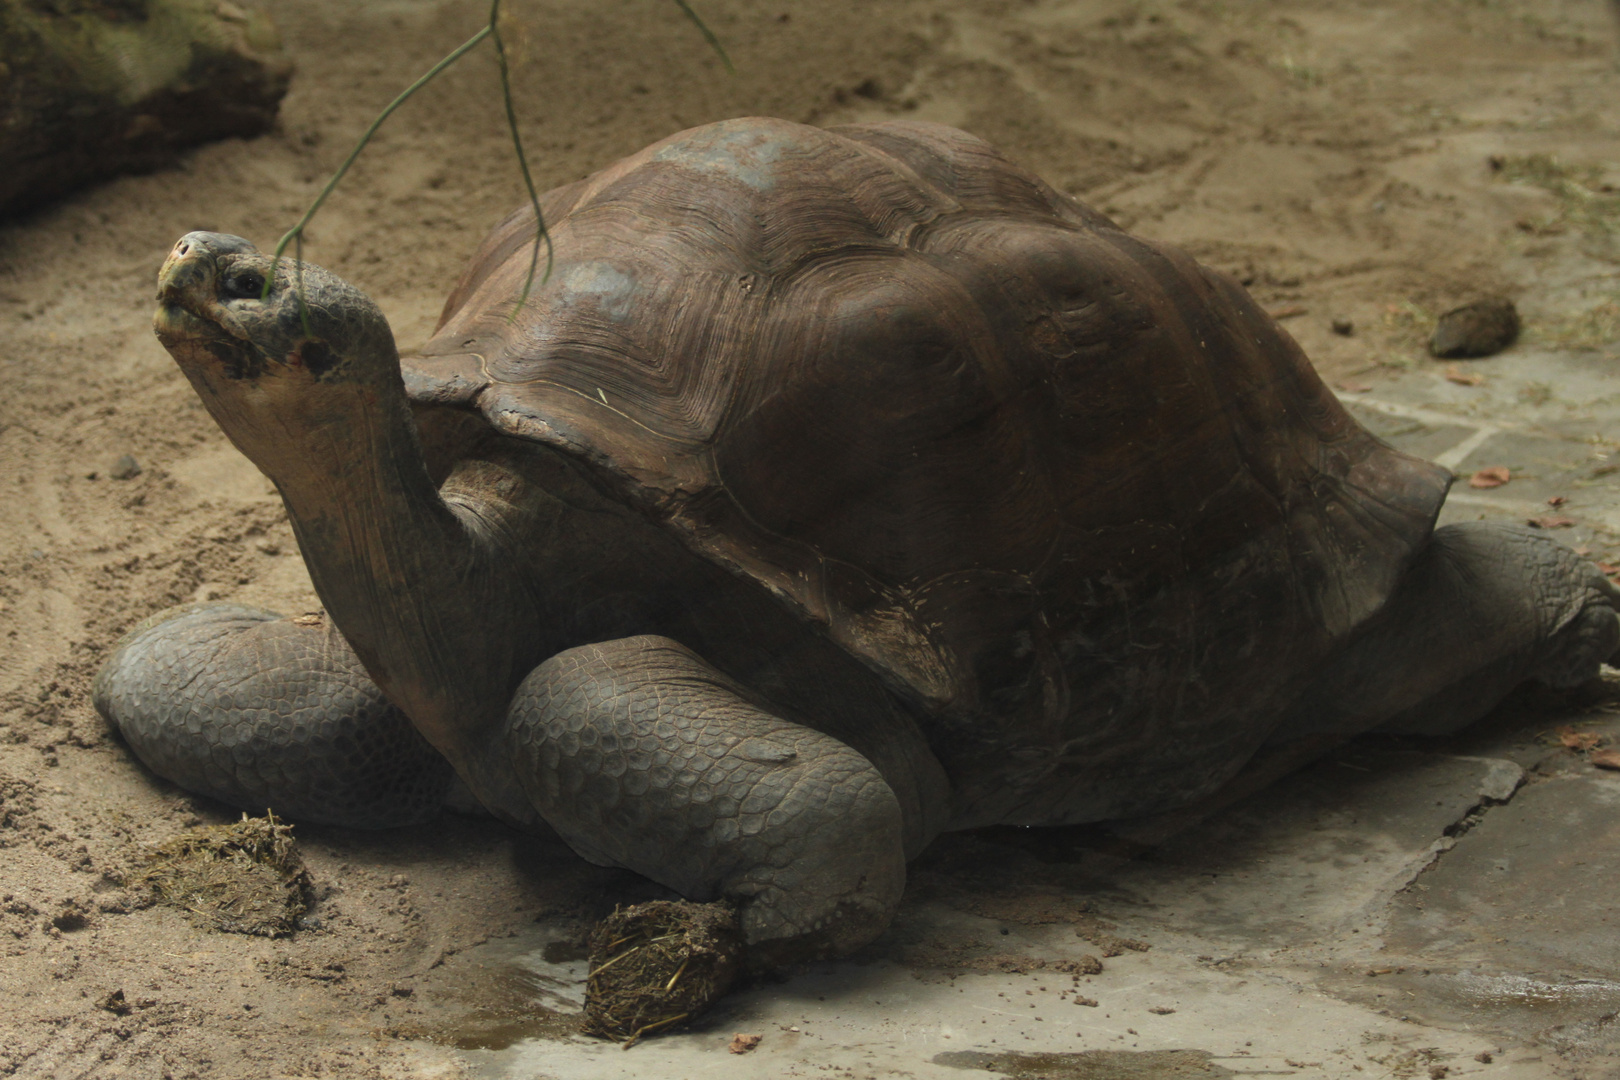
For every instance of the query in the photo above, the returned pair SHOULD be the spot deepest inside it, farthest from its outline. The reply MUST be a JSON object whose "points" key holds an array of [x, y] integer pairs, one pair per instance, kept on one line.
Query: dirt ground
{"points": [[1335, 154]]}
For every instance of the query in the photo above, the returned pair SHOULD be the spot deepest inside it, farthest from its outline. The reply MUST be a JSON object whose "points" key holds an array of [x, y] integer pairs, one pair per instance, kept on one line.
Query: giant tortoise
{"points": [[837, 488]]}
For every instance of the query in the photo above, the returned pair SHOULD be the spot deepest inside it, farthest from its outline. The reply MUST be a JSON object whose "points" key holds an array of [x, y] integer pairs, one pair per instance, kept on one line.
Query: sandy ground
{"points": [[1334, 155]]}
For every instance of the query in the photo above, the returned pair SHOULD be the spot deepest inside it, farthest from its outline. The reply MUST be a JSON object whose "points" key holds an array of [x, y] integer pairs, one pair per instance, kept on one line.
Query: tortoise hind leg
{"points": [[643, 756], [241, 705], [1484, 608]]}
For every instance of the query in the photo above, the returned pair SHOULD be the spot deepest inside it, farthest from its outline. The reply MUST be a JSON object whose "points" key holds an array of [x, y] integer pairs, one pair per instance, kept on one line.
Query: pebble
{"points": [[1343, 327], [1482, 328], [125, 468]]}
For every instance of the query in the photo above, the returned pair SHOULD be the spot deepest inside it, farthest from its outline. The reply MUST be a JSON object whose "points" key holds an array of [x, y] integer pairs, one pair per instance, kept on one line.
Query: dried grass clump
{"points": [[243, 878], [659, 964]]}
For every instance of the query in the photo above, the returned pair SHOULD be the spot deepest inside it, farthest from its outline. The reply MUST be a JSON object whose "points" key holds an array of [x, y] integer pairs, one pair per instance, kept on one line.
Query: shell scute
{"points": [[1069, 492]]}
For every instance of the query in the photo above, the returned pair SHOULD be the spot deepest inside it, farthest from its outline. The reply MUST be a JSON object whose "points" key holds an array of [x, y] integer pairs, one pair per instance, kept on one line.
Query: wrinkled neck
{"points": [[411, 582]]}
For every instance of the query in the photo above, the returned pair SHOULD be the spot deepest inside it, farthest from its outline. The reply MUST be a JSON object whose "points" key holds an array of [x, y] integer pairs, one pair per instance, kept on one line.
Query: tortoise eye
{"points": [[246, 285]]}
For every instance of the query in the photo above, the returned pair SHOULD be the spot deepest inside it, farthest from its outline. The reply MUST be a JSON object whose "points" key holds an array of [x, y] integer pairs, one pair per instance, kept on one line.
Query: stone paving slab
{"points": [[1320, 853], [1548, 417]]}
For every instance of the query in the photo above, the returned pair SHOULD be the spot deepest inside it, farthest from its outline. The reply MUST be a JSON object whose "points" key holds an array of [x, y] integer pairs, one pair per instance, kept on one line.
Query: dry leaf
{"points": [[1161, 1010], [1605, 759], [1550, 522], [1463, 378], [741, 1044], [1578, 740], [1609, 569], [1288, 312], [1490, 477], [1557, 500]]}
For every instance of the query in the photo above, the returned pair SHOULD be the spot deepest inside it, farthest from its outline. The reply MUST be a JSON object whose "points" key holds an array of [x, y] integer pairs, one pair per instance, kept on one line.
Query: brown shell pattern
{"points": [[1066, 490]]}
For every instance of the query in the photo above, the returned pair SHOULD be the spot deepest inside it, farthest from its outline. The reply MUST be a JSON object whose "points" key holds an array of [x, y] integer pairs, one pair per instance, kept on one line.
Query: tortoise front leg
{"points": [[262, 712], [643, 756]]}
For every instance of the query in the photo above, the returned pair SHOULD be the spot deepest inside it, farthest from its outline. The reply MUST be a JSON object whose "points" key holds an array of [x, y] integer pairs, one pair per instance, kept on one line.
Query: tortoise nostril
{"points": [[181, 248]]}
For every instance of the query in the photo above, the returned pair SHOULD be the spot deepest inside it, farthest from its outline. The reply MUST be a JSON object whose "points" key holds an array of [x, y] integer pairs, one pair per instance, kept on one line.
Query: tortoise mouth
{"points": [[174, 321], [187, 311], [177, 323]]}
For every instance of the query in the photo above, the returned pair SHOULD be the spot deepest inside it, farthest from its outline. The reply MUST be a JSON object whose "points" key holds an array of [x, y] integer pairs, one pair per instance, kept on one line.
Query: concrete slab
{"points": [[881, 1019], [1228, 951], [1531, 889], [1316, 856], [1547, 417]]}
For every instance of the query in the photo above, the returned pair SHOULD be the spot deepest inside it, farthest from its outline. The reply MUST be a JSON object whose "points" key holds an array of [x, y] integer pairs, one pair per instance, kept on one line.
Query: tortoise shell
{"points": [[1068, 492]]}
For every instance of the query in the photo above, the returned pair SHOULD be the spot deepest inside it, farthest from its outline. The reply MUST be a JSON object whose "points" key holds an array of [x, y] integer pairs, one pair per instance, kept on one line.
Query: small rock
{"points": [[1502, 778], [1343, 327], [1482, 328], [1484, 1057], [742, 1044], [268, 547], [1161, 1010], [125, 468], [1090, 1003], [207, 592]]}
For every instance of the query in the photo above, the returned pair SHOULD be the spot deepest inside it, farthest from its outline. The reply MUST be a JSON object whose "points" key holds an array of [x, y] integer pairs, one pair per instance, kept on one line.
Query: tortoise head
{"points": [[294, 356]]}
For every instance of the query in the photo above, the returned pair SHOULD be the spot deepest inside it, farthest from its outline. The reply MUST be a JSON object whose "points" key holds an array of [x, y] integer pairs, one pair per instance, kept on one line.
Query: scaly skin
{"points": [[640, 754], [264, 713]]}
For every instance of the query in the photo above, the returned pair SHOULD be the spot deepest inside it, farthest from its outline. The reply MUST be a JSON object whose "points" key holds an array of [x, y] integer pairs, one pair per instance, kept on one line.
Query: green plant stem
{"points": [[708, 35], [295, 235], [297, 231], [541, 234]]}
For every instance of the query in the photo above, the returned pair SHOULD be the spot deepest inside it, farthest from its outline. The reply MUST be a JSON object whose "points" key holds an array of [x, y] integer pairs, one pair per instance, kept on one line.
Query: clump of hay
{"points": [[657, 965], [243, 878]]}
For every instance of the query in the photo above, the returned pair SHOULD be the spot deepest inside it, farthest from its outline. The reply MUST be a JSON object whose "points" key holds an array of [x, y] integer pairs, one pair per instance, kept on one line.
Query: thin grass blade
{"points": [[708, 35], [541, 234]]}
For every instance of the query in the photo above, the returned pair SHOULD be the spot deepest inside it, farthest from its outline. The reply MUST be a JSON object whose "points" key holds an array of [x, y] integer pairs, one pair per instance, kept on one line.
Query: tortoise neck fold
{"points": [[412, 582]]}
